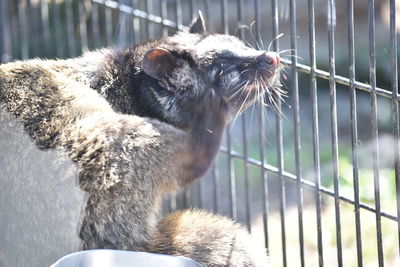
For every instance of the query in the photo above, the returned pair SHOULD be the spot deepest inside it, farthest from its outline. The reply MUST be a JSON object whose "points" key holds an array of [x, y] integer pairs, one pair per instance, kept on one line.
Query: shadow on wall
{"points": [[39, 200]]}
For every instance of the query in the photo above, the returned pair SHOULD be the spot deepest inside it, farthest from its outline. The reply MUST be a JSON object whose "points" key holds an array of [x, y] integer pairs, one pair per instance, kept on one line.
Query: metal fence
{"points": [[305, 183]]}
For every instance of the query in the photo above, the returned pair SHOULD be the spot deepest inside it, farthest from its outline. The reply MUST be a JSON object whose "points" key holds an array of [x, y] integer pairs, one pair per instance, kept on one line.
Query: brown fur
{"points": [[116, 154], [126, 162], [210, 239]]}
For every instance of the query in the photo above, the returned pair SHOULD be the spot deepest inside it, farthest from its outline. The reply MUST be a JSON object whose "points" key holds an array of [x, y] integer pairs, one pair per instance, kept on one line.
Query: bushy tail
{"points": [[209, 239]]}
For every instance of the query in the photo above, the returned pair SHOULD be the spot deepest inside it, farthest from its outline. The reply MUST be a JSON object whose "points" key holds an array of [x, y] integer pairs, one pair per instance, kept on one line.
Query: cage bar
{"points": [[224, 16], [354, 130], [279, 135], [307, 184], [148, 10], [109, 25], [82, 11], [178, 15], [163, 16], [99, 20], [333, 113], [374, 127], [70, 28], [262, 136], [96, 25], [395, 109], [6, 53], [22, 11], [315, 129]]}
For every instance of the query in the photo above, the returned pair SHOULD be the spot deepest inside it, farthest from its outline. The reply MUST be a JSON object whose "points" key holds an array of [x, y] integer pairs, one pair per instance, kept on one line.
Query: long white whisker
{"points": [[273, 40], [240, 90], [286, 50], [242, 105]]}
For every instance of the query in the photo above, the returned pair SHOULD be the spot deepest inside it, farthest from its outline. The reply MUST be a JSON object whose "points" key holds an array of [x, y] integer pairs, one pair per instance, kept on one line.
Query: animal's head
{"points": [[185, 63]]}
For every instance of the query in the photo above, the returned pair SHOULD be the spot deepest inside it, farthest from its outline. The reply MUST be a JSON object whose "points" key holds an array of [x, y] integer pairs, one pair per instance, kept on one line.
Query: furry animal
{"points": [[139, 122], [211, 240]]}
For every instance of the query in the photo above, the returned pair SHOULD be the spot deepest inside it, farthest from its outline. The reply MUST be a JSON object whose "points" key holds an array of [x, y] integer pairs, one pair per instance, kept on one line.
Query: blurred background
{"points": [[264, 177]]}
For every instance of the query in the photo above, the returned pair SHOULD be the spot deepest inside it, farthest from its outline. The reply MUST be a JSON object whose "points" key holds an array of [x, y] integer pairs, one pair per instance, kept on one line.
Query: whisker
{"points": [[286, 50], [240, 87], [242, 105], [273, 40], [247, 42], [294, 56], [261, 41]]}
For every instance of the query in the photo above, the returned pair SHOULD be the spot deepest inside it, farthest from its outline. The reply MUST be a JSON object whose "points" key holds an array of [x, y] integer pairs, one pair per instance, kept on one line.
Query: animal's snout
{"points": [[268, 60]]}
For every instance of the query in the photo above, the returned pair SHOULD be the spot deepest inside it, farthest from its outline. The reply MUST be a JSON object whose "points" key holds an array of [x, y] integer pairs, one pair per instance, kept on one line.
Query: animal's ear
{"points": [[158, 63], [198, 25]]}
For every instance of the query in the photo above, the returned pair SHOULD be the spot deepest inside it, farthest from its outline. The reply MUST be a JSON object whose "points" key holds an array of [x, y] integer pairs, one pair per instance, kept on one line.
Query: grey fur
{"points": [[170, 137]]}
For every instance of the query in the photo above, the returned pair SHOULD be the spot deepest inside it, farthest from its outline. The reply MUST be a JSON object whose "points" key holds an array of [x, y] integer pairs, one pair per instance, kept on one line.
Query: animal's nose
{"points": [[268, 59]]}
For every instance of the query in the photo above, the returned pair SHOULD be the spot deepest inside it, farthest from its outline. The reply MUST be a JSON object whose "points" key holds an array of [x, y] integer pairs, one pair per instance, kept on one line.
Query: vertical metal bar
{"points": [[264, 175], [22, 11], [173, 202], [149, 26], [257, 25], [124, 24], [129, 24], [178, 18], [240, 18], [395, 108], [216, 186], [244, 141], [296, 117], [261, 135], [136, 22], [95, 25], [121, 28], [83, 25], [315, 131], [44, 14], [231, 176], [164, 16], [279, 134], [34, 28], [207, 12], [88, 8], [192, 8], [224, 16], [374, 126], [199, 193], [354, 130], [57, 28], [230, 163], [246, 172], [70, 28], [335, 153], [108, 25], [6, 54]]}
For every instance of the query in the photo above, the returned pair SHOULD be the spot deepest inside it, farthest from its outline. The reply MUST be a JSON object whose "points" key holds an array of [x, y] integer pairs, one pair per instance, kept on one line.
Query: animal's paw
{"points": [[211, 113]]}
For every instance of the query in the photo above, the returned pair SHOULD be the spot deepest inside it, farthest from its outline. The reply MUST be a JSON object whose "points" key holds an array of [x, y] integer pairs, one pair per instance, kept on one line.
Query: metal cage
{"points": [[319, 184]]}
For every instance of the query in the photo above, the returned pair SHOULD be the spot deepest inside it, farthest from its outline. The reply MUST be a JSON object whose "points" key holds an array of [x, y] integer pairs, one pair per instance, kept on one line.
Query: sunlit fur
{"points": [[228, 62], [135, 134]]}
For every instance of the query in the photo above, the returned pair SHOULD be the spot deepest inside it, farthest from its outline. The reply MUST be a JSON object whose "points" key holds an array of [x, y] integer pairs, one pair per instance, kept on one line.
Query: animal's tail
{"points": [[209, 239]]}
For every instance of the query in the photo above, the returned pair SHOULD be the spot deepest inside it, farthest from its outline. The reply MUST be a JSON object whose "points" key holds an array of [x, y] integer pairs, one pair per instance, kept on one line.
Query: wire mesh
{"points": [[271, 166]]}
